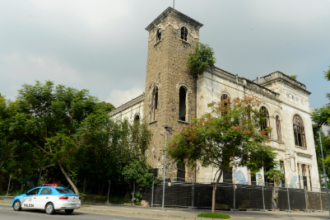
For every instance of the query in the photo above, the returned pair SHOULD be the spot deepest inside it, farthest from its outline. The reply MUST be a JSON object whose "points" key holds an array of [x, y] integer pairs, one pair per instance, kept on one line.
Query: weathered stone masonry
{"points": [[167, 70]]}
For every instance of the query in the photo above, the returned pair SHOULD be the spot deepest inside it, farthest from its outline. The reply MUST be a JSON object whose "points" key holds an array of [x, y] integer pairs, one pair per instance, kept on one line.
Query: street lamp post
{"points": [[163, 202], [325, 175]]}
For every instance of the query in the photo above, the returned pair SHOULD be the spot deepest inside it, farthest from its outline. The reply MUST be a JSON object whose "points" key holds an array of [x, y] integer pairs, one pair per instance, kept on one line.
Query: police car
{"points": [[48, 197]]}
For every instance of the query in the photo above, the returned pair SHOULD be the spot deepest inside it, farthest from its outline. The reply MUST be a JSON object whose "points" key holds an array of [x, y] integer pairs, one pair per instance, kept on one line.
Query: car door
{"points": [[44, 197], [31, 199]]}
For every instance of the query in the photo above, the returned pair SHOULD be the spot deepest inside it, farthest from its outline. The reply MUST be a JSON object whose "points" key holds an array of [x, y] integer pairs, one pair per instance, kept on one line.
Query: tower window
{"points": [[159, 34], [299, 131], [154, 103], [265, 118], [278, 128], [184, 33], [182, 104]]}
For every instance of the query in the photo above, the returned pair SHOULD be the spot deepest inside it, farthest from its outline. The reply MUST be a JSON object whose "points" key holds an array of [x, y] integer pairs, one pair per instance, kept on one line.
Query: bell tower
{"points": [[170, 89]]}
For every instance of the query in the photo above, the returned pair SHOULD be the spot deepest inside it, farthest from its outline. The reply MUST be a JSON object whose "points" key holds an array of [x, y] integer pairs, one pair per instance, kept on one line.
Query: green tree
{"points": [[109, 146], [230, 135], [49, 117], [202, 56]]}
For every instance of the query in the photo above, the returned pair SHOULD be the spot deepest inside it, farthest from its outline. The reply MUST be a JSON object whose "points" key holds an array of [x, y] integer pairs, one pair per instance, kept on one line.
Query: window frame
{"points": [[154, 103], [299, 134], [264, 124], [184, 33], [225, 104], [185, 103], [159, 34]]}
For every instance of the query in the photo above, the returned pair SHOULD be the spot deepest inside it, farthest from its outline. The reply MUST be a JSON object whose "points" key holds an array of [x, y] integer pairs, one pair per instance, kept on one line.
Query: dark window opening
{"points": [[182, 104], [278, 128], [304, 175], [253, 179], [310, 177], [154, 103], [184, 33], [181, 171], [264, 118], [154, 171], [228, 175], [299, 131], [159, 34], [224, 102], [137, 120]]}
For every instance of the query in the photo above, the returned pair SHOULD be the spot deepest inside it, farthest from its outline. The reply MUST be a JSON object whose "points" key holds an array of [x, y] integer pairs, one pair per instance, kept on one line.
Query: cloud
{"points": [[118, 97]]}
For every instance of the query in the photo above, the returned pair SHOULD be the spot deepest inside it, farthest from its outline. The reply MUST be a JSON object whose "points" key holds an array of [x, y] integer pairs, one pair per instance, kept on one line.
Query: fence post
{"points": [[321, 199], [109, 191], [193, 195], [287, 189], [263, 197], [234, 186], [306, 198], [8, 185], [152, 194]]}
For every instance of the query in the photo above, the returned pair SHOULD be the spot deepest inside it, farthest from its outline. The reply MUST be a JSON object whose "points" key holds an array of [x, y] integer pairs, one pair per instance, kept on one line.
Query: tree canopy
{"points": [[229, 135], [202, 56]]}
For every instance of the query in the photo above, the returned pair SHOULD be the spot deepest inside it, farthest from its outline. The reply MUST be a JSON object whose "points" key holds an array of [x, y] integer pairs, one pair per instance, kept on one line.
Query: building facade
{"points": [[173, 97]]}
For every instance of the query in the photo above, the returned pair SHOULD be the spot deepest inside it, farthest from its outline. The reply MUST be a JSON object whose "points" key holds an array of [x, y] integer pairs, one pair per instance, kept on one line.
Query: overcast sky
{"points": [[101, 45]]}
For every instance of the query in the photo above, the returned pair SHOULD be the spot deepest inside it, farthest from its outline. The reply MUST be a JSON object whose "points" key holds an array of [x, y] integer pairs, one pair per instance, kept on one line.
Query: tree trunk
{"points": [[8, 185], [214, 192], [75, 189]]}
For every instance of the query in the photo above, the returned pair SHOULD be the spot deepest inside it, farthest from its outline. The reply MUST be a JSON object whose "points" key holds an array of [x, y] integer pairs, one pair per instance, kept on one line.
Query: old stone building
{"points": [[173, 97]]}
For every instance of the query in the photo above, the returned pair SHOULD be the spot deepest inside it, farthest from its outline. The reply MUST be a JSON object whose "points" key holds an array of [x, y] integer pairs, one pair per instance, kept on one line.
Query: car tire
{"points": [[49, 209], [17, 206], [68, 211]]}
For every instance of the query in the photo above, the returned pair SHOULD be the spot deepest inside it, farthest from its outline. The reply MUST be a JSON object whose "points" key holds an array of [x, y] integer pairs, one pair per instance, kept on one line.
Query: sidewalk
{"points": [[187, 214]]}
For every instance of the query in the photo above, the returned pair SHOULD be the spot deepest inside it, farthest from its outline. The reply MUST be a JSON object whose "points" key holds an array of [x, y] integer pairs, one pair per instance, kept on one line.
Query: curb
{"points": [[142, 214]]}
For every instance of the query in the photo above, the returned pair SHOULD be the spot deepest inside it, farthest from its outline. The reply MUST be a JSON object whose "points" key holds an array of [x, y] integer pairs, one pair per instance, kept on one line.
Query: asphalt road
{"points": [[7, 213]]}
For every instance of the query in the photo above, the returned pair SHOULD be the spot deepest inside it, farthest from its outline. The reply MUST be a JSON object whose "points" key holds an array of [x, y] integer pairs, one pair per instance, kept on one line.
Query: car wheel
{"points": [[68, 211], [49, 208], [17, 206]]}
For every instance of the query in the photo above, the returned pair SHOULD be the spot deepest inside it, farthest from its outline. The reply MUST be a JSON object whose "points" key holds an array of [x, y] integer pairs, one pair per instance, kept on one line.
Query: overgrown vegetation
{"points": [[202, 56], [294, 77], [231, 135], [213, 215], [69, 135]]}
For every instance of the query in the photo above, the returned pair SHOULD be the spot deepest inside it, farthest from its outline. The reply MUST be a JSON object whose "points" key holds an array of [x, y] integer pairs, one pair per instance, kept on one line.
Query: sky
{"points": [[101, 45]]}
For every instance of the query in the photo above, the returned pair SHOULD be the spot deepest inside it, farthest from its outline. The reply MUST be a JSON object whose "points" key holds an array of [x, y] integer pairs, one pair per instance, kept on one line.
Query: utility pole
{"points": [[324, 173], [163, 202], [173, 3]]}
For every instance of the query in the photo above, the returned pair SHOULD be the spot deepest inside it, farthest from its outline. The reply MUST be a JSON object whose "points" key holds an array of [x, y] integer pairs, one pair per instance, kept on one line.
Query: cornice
{"points": [[127, 105]]}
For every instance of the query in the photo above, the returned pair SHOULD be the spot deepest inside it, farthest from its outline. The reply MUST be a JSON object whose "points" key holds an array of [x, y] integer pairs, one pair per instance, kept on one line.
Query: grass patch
{"points": [[213, 215], [1, 198]]}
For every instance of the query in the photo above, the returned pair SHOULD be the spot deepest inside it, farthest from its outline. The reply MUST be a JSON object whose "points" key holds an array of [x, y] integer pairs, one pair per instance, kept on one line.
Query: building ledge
{"points": [[183, 41], [302, 148], [304, 155], [158, 42], [184, 122]]}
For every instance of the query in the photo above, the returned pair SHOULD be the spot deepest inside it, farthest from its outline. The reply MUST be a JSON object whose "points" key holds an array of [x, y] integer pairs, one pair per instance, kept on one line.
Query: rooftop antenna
{"points": [[173, 4]]}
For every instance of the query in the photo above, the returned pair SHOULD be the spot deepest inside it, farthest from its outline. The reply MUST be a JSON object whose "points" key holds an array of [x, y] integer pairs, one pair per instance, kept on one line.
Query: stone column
{"points": [[301, 183], [309, 187]]}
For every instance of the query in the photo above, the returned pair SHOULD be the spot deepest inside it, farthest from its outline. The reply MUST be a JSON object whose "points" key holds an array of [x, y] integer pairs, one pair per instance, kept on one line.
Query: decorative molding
{"points": [[304, 155]]}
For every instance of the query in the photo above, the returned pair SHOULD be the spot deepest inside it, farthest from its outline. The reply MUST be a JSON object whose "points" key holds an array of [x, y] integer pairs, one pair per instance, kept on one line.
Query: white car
{"points": [[48, 197]]}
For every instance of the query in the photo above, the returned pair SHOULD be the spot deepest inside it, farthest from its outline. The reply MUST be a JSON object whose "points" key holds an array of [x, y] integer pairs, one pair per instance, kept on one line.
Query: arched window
{"points": [[225, 101], [159, 34], [137, 120], [265, 118], [184, 33], [299, 131], [182, 104], [278, 128], [154, 103]]}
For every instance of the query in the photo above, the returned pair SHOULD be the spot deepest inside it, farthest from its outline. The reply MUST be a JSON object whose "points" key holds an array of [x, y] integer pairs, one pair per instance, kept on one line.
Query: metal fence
{"points": [[192, 193]]}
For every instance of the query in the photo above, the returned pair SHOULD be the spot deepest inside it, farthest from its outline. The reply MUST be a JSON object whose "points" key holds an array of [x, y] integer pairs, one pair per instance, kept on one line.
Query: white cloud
{"points": [[118, 97]]}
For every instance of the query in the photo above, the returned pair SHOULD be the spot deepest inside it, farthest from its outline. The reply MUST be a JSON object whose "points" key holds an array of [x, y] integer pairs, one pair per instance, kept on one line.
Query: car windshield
{"points": [[64, 191], [33, 192]]}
